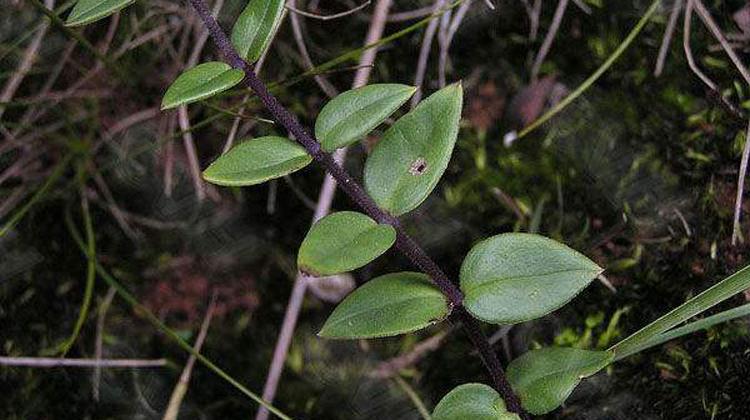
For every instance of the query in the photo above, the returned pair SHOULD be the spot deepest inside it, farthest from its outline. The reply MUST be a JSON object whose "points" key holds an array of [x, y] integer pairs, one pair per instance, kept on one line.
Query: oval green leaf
{"points": [[409, 160], [342, 242], [88, 11], [201, 82], [544, 378], [515, 277], [389, 305], [351, 115], [256, 27], [256, 161], [472, 402]]}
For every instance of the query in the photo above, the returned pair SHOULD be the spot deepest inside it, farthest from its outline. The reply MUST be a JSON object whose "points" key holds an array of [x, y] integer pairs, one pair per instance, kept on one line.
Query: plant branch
{"points": [[404, 243]]}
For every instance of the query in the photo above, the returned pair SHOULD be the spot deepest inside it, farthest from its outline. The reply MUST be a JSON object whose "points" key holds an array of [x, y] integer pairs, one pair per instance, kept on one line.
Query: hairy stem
{"points": [[405, 244]]}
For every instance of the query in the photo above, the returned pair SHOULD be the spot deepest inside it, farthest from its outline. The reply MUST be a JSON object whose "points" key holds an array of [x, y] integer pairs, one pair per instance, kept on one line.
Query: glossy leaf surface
{"points": [[515, 277], [472, 402], [88, 11], [201, 82], [342, 242], [544, 378], [351, 115], [256, 27], [256, 161], [409, 160], [389, 305]]}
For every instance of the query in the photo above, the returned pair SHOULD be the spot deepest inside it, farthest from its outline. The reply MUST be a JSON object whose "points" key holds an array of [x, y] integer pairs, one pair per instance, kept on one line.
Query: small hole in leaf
{"points": [[418, 167]]}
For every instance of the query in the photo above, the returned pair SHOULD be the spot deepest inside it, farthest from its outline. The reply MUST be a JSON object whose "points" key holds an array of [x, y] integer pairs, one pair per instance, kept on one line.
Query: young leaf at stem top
{"points": [[351, 115], [409, 160], [389, 305], [256, 161], [201, 82], [88, 11], [342, 242], [515, 277], [544, 378], [472, 402], [256, 27]]}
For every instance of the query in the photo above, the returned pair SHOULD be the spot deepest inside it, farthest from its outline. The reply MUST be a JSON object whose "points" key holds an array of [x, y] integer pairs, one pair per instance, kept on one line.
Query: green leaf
{"points": [[351, 115], [472, 402], [201, 82], [87, 11], [342, 242], [714, 295], [544, 378], [389, 305], [256, 27], [515, 277], [256, 161], [409, 160]]}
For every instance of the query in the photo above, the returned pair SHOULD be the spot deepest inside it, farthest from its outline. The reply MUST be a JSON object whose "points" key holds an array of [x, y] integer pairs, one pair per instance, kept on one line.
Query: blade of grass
{"points": [[132, 301], [690, 328], [719, 292], [409, 391], [596, 75], [90, 273]]}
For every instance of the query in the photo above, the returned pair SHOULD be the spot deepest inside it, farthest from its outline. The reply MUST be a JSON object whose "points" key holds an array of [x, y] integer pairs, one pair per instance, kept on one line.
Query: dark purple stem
{"points": [[404, 242]]}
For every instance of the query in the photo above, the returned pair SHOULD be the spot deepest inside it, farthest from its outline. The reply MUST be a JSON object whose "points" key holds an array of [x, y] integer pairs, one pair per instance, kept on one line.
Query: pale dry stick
{"points": [[321, 80], [50, 362], [709, 22], [96, 378], [448, 39], [111, 205], [736, 229], [533, 11], [581, 5], [170, 123], [686, 29], [294, 10], [178, 394], [667, 39], [411, 14], [391, 367], [557, 18], [442, 36], [424, 53], [183, 119], [325, 198], [26, 62]]}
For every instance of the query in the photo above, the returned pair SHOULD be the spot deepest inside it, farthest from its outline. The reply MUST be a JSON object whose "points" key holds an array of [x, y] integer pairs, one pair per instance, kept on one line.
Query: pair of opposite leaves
{"points": [[402, 170], [543, 379], [506, 279]]}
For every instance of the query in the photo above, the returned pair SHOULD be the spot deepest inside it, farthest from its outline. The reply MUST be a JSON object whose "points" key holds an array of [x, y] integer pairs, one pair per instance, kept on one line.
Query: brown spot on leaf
{"points": [[418, 167]]}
